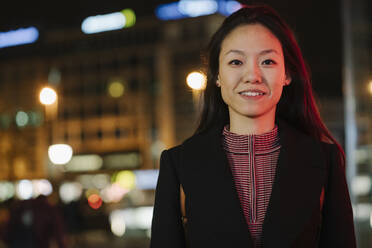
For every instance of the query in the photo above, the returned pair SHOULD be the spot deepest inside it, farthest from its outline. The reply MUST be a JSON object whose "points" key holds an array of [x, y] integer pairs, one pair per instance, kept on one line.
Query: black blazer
{"points": [[295, 216]]}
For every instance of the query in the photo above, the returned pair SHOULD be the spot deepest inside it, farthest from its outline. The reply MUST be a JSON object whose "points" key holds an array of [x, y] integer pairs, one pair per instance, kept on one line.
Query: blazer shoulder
{"points": [[333, 154], [173, 154]]}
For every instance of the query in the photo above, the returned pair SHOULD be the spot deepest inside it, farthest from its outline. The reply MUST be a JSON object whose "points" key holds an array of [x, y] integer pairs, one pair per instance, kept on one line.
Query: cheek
{"points": [[277, 93], [276, 81], [224, 94]]}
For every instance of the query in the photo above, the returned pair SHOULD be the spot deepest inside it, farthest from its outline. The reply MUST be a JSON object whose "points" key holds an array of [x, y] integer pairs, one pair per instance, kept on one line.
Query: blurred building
{"points": [[122, 99], [120, 94]]}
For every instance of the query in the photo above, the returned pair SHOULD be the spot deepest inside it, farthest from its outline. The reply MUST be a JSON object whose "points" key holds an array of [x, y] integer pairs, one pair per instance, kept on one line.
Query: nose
{"points": [[252, 73]]}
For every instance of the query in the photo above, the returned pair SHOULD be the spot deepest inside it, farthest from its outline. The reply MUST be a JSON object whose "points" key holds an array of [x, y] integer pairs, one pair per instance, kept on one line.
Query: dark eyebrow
{"points": [[261, 53]]}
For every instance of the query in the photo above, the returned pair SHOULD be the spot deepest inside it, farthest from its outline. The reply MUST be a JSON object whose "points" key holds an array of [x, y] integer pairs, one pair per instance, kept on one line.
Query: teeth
{"points": [[251, 93]]}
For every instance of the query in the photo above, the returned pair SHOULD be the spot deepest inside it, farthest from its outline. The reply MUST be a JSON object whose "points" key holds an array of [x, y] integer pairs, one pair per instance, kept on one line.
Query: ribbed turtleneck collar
{"points": [[252, 143]]}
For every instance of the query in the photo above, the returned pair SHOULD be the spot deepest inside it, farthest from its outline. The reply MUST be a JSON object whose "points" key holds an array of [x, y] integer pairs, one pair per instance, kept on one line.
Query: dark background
{"points": [[316, 23]]}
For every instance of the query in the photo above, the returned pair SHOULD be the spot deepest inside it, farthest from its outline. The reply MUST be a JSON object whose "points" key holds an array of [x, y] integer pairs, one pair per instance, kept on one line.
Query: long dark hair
{"points": [[296, 106]]}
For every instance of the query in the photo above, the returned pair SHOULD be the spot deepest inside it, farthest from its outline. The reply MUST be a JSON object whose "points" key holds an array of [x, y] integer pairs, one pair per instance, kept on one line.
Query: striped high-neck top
{"points": [[253, 160]]}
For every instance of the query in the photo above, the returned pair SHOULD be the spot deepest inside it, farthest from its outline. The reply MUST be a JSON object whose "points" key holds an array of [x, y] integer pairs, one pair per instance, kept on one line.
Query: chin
{"points": [[251, 114], [254, 113]]}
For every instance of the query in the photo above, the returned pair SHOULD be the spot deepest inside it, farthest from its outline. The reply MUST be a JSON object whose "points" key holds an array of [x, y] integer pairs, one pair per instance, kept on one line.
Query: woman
{"points": [[262, 170]]}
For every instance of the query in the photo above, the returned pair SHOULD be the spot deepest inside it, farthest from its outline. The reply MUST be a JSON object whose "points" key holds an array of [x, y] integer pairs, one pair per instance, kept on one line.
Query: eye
{"points": [[269, 62], [235, 62]]}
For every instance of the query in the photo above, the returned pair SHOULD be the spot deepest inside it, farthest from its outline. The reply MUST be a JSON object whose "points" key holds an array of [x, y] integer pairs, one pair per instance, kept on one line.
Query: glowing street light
{"points": [[116, 89], [18, 37], [48, 96], [196, 80], [60, 153], [107, 22], [370, 87], [188, 8]]}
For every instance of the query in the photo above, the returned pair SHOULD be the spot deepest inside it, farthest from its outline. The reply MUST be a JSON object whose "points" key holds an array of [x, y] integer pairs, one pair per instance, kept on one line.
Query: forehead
{"points": [[251, 38]]}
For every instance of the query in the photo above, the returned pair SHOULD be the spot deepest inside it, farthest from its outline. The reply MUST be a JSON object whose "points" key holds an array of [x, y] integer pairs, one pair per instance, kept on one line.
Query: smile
{"points": [[249, 93]]}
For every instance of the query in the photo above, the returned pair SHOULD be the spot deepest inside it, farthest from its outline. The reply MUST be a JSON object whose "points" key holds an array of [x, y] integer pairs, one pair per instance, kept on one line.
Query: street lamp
{"points": [[60, 153], [197, 81], [370, 87], [57, 153], [48, 96]]}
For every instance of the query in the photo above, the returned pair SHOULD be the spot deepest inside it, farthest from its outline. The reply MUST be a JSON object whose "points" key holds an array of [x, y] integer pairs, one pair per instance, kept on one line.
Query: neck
{"points": [[257, 125]]}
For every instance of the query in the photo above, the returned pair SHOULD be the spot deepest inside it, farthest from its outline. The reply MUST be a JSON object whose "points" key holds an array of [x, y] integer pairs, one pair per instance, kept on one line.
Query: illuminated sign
{"points": [[146, 179], [113, 21], [187, 8], [197, 8], [18, 37], [86, 162], [228, 7], [94, 162], [129, 160]]}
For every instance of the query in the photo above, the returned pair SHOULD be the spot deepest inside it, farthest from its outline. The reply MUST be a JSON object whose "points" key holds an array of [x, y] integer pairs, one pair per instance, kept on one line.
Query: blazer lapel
{"points": [[209, 161], [297, 187]]}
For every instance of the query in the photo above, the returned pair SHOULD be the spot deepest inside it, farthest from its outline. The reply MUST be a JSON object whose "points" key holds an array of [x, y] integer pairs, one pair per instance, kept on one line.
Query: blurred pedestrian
{"points": [[261, 170], [35, 223]]}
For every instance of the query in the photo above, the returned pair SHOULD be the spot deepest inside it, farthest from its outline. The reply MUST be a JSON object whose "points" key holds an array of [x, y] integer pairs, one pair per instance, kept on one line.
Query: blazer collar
{"points": [[296, 189]]}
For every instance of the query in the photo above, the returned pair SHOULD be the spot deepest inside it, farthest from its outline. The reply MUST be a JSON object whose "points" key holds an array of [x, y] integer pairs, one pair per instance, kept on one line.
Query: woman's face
{"points": [[251, 72]]}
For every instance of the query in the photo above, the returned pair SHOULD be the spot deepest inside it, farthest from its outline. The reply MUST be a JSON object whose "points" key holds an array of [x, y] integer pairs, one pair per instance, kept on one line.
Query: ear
{"points": [[218, 81], [287, 80]]}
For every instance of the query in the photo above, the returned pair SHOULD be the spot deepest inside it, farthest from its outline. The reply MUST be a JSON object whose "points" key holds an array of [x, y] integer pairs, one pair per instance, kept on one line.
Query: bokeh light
{"points": [[196, 80], [187, 8], [7, 191], [24, 189], [90, 192], [54, 76], [48, 96], [86, 181], [60, 153], [101, 181], [18, 37], [130, 17], [226, 8], [362, 211], [113, 193], [146, 179], [361, 185], [42, 187], [370, 87], [107, 22], [138, 218], [35, 118], [125, 179], [70, 191], [197, 8], [117, 222], [95, 201], [85, 162], [168, 11], [116, 89], [21, 119]]}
